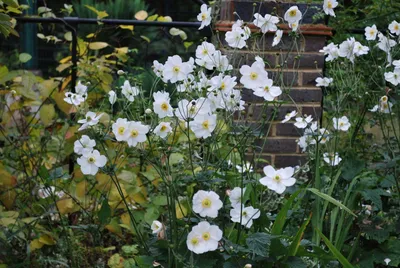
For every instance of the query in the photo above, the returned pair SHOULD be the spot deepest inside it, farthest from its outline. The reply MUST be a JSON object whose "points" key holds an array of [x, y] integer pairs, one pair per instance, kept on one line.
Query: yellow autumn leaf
{"points": [[98, 45], [123, 50], [8, 198], [90, 35], [68, 36], [65, 206], [127, 27], [47, 114], [164, 19], [152, 18], [35, 244], [65, 60], [47, 240], [141, 15]]}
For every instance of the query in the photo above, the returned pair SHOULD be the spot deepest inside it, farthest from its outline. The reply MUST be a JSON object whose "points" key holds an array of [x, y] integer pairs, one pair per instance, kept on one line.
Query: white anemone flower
{"points": [[332, 159], [136, 133], [235, 196], [161, 105], [278, 180], [91, 119], [293, 14], [302, 122], [204, 16], [129, 91], [224, 83], [253, 76], [289, 116], [162, 129], [277, 37], [393, 77], [206, 203], [266, 23], [394, 27], [121, 129], [203, 125], [84, 145], [191, 109], [221, 62], [232, 101], [268, 91], [112, 97], [328, 7], [244, 215], [74, 99], [331, 50], [91, 162], [176, 70], [341, 123], [323, 81], [371, 32], [203, 238]]}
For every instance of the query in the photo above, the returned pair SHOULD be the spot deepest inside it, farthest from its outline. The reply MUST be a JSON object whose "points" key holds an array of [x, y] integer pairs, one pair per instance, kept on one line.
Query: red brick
{"points": [[282, 161], [277, 145], [287, 129], [304, 95], [302, 60], [309, 78], [314, 43], [315, 112]]}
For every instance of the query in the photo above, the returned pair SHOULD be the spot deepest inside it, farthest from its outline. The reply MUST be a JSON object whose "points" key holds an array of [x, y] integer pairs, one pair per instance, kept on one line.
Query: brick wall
{"points": [[301, 69]]}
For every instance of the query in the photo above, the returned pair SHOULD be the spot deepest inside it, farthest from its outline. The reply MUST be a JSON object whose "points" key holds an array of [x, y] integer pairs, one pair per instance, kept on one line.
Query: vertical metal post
{"points": [[29, 39], [73, 26]]}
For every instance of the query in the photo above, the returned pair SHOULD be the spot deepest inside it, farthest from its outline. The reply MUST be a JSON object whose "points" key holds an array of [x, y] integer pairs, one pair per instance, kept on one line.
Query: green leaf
{"points": [[152, 214], [130, 250], [12, 3], [144, 261], [331, 200], [160, 200], [374, 195], [282, 215], [175, 158], [335, 252], [43, 173], [297, 239], [259, 243], [104, 213], [24, 57]]}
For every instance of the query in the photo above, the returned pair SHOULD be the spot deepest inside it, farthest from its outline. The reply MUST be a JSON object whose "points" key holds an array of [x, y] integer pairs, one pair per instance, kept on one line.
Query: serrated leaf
{"points": [[374, 195], [258, 243], [24, 57]]}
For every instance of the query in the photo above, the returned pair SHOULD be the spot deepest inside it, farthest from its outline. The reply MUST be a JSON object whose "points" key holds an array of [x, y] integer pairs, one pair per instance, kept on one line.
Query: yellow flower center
{"points": [[205, 51], [134, 133], [277, 178], [163, 128], [341, 124], [206, 236], [223, 86], [396, 27], [176, 69], [329, 4], [121, 130], [244, 213], [266, 88], [91, 160], [292, 13], [372, 32], [88, 118], [195, 241], [203, 16], [385, 106], [384, 99], [164, 106], [253, 76], [205, 124], [206, 203]]}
